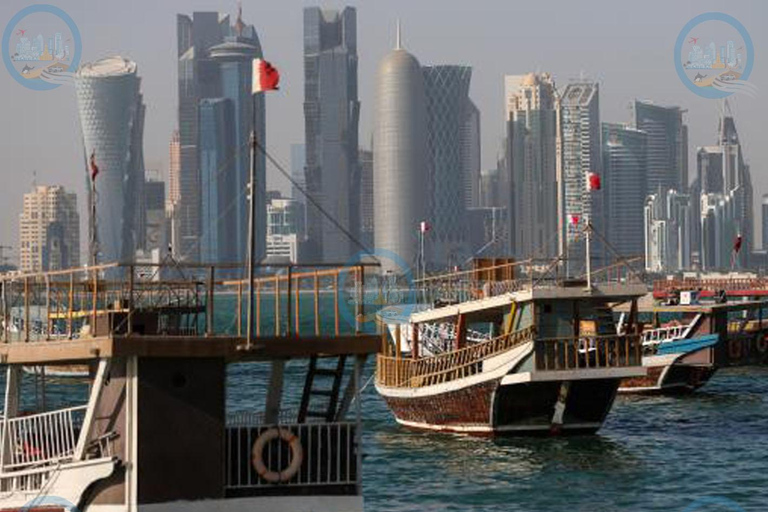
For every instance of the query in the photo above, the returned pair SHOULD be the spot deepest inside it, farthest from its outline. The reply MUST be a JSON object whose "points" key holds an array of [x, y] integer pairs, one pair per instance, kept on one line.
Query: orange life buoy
{"points": [[734, 349], [257, 455]]}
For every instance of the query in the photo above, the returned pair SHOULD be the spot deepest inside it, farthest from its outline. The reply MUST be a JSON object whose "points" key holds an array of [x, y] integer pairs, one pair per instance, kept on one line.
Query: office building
{"points": [[447, 93], [111, 112], [366, 197], [154, 205], [285, 228], [666, 232], [531, 168], [400, 158], [470, 154], [49, 230], [624, 172], [667, 145], [331, 114]]}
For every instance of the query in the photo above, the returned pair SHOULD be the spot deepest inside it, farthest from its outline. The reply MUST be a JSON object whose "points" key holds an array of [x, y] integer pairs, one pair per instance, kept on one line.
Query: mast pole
{"points": [[251, 229], [588, 255]]}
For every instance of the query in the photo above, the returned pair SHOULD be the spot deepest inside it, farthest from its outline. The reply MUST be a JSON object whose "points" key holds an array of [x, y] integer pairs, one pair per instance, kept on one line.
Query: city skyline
{"points": [[417, 39]]}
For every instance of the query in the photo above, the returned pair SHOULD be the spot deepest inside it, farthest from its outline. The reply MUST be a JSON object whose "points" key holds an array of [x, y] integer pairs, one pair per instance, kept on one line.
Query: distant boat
{"points": [[26, 69]]}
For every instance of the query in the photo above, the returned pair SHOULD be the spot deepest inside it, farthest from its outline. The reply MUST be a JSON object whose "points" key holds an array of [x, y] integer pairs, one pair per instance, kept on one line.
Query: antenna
{"points": [[399, 39]]}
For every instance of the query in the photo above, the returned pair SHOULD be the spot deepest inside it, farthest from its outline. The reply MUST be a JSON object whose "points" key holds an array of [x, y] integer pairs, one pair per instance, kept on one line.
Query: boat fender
{"points": [[257, 455], [734, 349], [762, 344]]}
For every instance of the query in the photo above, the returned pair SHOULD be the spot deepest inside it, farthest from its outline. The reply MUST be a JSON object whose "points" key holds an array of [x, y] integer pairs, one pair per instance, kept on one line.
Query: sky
{"points": [[627, 46]]}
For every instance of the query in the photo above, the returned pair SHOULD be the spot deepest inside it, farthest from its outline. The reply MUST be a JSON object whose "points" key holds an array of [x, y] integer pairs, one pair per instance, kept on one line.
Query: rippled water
{"points": [[654, 454]]}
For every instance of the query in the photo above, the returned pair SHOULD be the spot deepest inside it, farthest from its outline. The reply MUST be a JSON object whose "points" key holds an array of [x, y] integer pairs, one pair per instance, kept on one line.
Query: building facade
{"points": [[331, 114], [285, 228], [366, 197], [111, 112], [400, 158], [531, 160], [667, 232], [579, 154], [667, 146], [624, 169], [49, 230], [470, 154], [154, 205], [447, 93]]}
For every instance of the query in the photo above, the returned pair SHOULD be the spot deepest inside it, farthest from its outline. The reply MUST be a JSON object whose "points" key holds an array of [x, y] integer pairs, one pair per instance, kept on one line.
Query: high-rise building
{"points": [[285, 228], [447, 92], [531, 115], [111, 114], [154, 205], [624, 170], [298, 164], [399, 157], [579, 154], [765, 221], [490, 189], [666, 231], [667, 146], [331, 115], [726, 192], [49, 230], [234, 58], [470, 154], [218, 236], [366, 197]]}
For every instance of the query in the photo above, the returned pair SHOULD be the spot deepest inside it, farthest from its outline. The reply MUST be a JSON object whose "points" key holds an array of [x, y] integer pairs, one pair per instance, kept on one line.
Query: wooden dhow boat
{"points": [[506, 357]]}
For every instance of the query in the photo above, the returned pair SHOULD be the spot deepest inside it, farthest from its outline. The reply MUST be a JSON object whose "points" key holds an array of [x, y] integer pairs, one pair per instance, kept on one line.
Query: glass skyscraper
{"points": [[667, 146], [331, 113], [111, 114]]}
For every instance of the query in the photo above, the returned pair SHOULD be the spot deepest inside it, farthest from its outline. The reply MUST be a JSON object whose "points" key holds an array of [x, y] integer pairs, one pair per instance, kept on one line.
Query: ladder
{"points": [[322, 375]]}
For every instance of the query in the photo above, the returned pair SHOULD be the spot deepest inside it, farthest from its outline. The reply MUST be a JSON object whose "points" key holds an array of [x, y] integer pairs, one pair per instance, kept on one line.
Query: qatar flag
{"points": [[424, 226], [737, 244], [93, 166], [266, 77], [574, 220], [593, 181]]}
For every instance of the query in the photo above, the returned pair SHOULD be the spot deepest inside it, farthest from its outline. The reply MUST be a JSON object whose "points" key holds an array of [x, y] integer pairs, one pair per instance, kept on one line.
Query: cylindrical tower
{"points": [[400, 158], [111, 120]]}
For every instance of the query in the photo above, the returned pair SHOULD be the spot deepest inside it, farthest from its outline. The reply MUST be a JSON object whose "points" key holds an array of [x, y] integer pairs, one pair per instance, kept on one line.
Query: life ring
{"points": [[257, 455], [734, 349], [762, 344]]}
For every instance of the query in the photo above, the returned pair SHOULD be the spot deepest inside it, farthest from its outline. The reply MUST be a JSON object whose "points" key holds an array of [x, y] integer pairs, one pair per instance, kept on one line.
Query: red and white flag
{"points": [[266, 77], [424, 226], [93, 166], [575, 220], [593, 181], [737, 244]]}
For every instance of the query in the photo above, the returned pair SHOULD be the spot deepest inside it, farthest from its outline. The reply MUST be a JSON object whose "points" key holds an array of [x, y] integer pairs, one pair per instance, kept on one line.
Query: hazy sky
{"points": [[627, 46]]}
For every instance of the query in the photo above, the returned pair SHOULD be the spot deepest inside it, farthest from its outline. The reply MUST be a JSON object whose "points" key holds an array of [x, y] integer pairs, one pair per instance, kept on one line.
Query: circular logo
{"points": [[41, 47], [713, 503], [390, 294], [714, 56]]}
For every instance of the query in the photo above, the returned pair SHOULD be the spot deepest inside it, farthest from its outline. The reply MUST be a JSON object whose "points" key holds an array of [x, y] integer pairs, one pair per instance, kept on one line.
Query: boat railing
{"points": [[441, 368], [664, 334], [184, 299], [41, 439], [588, 352], [711, 284], [292, 455]]}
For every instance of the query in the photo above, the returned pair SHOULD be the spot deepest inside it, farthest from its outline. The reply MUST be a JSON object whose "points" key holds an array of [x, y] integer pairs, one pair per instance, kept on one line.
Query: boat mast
{"points": [[251, 228]]}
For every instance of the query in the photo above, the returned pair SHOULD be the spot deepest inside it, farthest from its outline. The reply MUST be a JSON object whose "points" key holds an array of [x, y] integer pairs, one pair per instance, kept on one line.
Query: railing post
{"points": [[336, 301], [288, 306], [317, 304], [239, 308], [131, 284], [360, 313], [277, 305], [95, 302], [209, 300], [70, 305], [4, 297], [48, 322], [26, 309]]}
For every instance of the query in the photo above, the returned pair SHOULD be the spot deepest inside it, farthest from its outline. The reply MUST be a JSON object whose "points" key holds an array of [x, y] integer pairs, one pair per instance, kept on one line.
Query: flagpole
{"points": [[589, 258], [251, 229]]}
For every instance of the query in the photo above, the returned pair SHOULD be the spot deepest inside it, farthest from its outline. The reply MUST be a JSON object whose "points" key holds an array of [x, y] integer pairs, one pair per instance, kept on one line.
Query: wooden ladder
{"points": [[335, 376]]}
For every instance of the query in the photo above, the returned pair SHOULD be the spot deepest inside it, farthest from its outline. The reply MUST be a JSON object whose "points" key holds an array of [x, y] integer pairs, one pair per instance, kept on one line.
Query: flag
{"points": [[424, 226], [575, 220], [593, 181], [265, 76], [737, 244], [93, 166]]}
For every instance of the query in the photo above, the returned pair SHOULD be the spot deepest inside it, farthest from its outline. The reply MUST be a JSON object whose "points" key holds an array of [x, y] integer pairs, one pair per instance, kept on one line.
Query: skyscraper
{"points": [[579, 155], [667, 146], [49, 230], [666, 231], [624, 170], [399, 156], [765, 221], [447, 92], [154, 206], [470, 154], [111, 115], [531, 165], [366, 197], [331, 114], [298, 163], [234, 58], [726, 199], [218, 237]]}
